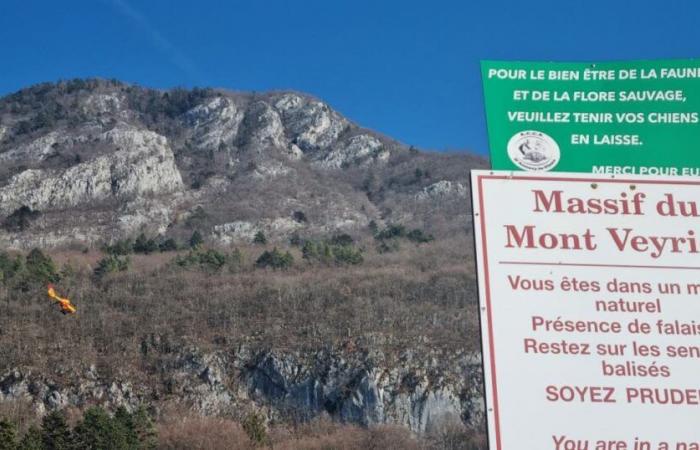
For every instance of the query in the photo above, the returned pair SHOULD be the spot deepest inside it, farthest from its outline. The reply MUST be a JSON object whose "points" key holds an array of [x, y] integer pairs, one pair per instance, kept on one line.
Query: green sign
{"points": [[639, 117]]}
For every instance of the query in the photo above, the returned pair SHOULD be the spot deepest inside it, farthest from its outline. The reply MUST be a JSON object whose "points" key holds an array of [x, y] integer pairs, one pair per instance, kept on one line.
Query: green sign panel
{"points": [[639, 117]]}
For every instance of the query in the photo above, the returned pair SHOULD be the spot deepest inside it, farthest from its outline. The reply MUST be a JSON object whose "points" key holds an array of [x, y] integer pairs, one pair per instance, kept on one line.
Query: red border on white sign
{"points": [[480, 177]]}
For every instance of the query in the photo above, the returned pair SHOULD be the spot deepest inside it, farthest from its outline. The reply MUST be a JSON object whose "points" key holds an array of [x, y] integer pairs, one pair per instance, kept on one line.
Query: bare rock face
{"points": [[154, 214], [45, 394], [215, 123], [37, 149], [44, 147], [262, 129], [360, 150], [353, 389], [312, 124], [125, 160], [352, 386], [143, 163], [242, 231], [103, 103], [442, 189]]}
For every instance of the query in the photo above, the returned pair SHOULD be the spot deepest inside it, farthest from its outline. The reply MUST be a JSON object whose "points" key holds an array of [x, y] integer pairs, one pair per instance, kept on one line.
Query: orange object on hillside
{"points": [[65, 304]]}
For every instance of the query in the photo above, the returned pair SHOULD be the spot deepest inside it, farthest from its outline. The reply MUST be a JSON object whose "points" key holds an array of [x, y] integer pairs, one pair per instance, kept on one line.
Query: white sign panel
{"points": [[589, 293]]}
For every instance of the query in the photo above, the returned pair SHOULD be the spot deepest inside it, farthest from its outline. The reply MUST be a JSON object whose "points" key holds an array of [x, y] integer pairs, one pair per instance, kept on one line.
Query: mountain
{"points": [[99, 160], [331, 278]]}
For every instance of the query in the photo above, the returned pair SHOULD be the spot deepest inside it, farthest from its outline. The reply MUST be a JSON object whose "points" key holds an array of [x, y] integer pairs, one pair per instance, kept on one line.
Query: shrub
{"points": [[168, 245], [142, 244], [419, 237], [338, 250], [110, 264], [373, 227], [342, 239], [199, 216], [196, 239], [391, 232], [347, 255], [40, 267], [295, 240], [275, 259], [145, 245], [310, 250], [254, 427], [211, 260], [120, 247], [260, 238], [299, 217], [10, 266], [387, 246]]}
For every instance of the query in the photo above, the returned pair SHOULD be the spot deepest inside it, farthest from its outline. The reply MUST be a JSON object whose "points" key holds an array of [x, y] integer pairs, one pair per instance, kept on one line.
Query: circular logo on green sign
{"points": [[534, 151]]}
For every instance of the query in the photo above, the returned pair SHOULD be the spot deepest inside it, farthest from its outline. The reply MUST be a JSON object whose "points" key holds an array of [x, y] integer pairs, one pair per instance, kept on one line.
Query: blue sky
{"points": [[405, 68]]}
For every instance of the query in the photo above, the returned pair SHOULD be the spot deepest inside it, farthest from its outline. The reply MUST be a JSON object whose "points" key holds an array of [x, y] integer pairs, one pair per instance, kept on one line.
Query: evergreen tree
{"points": [[98, 431], [31, 440], [346, 254], [125, 428], [343, 240], [112, 263], [326, 252], [168, 245], [40, 267], [373, 227], [275, 259], [142, 244], [10, 266], [196, 239], [419, 237], [121, 247], [391, 232], [144, 429], [260, 238], [309, 251], [8, 435], [55, 434]]}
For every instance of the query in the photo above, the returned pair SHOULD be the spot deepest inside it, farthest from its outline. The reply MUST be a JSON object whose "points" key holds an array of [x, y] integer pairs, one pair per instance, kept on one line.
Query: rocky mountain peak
{"points": [[75, 147]]}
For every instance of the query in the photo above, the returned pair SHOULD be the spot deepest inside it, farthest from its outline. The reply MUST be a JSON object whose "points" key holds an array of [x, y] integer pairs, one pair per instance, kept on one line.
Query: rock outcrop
{"points": [[126, 160], [142, 164], [352, 385]]}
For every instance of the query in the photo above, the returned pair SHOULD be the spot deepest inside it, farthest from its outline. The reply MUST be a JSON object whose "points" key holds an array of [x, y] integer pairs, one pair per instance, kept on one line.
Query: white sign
{"points": [[589, 291]]}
